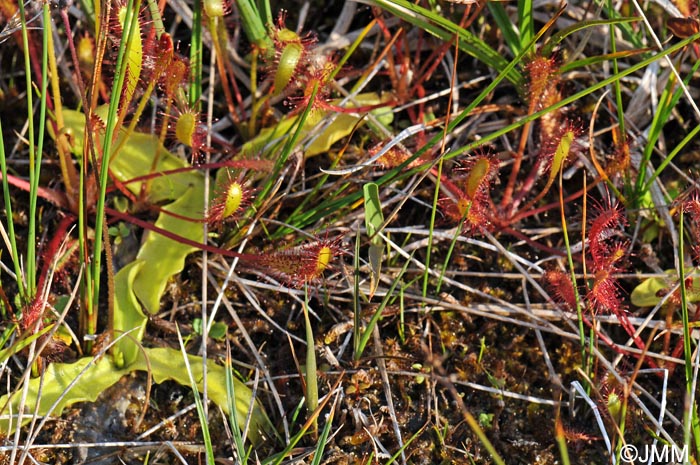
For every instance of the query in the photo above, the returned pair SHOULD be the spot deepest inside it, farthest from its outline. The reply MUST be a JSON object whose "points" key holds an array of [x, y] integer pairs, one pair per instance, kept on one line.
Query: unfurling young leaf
{"points": [[373, 223]]}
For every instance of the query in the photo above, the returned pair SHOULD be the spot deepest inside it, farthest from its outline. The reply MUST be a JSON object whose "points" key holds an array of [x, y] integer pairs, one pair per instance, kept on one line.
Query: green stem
{"points": [[196, 56], [128, 34], [690, 413], [572, 274], [33, 181], [433, 213], [10, 221], [254, 27], [156, 18]]}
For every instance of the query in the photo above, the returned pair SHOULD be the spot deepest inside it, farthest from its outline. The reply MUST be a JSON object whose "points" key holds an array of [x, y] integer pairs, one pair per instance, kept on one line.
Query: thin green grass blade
{"points": [[561, 442], [526, 21], [322, 440], [367, 333], [690, 413], [42, 121], [33, 163], [408, 442], [619, 105], [128, 36], [196, 56], [203, 420], [233, 413], [506, 26], [357, 319], [668, 101], [448, 257], [572, 273], [10, 219], [598, 59], [294, 440], [431, 227], [446, 30], [286, 151], [559, 36]]}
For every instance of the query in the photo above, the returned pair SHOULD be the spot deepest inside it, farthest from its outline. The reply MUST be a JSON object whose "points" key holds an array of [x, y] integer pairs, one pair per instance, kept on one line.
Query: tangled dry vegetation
{"points": [[388, 231]]}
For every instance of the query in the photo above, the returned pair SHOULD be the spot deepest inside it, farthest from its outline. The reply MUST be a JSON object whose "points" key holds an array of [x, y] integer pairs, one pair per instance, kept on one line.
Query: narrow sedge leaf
{"points": [[133, 56], [558, 37], [374, 218], [367, 332], [323, 440], [203, 420], [22, 343], [526, 21], [446, 30], [230, 399], [506, 26], [254, 25]]}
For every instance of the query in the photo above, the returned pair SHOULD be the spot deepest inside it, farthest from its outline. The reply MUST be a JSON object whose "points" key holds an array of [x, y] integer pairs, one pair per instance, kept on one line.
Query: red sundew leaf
{"points": [[605, 295], [561, 288], [605, 225], [300, 265]]}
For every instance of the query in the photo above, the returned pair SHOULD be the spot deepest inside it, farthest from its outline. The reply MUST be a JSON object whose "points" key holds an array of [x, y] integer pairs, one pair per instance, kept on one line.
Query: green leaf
{"points": [[446, 30], [133, 54], [21, 344], [650, 292], [128, 315], [506, 26], [140, 287], [93, 376], [374, 218], [342, 126], [217, 330], [559, 36]]}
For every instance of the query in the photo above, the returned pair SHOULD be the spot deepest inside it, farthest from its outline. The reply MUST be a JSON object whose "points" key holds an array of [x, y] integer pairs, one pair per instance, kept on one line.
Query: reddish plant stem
{"points": [[251, 258], [535, 244], [518, 216], [74, 57], [616, 348], [52, 248], [57, 198], [527, 187], [223, 75], [35, 309], [507, 200]]}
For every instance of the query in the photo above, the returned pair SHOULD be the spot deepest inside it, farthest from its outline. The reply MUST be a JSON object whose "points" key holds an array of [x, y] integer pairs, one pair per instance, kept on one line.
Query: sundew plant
{"points": [[439, 231]]}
